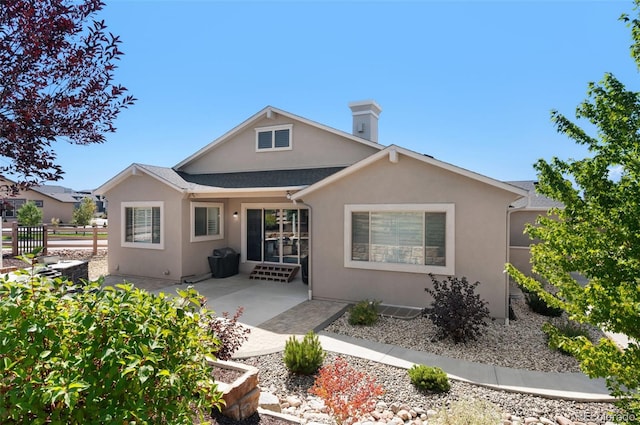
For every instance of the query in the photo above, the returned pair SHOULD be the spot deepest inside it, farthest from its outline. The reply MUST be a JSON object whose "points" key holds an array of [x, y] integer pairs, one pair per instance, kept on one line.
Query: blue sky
{"points": [[470, 82]]}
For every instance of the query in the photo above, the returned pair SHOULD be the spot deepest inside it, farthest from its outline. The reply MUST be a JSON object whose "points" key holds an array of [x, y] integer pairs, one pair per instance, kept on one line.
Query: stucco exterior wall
{"points": [[163, 263], [480, 233], [518, 221], [520, 258], [311, 148], [195, 253]]}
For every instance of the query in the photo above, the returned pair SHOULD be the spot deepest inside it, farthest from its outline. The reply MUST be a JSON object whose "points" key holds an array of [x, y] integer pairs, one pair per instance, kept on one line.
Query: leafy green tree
{"points": [[83, 214], [29, 214], [596, 234]]}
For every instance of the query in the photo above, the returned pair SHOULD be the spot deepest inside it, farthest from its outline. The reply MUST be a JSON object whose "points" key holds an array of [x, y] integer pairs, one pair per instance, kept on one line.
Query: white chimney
{"points": [[365, 119]]}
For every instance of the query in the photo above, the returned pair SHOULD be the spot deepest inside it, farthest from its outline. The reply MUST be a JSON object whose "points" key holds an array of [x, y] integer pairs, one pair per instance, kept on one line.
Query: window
{"points": [[143, 224], [406, 237], [206, 221], [273, 138], [10, 206]]}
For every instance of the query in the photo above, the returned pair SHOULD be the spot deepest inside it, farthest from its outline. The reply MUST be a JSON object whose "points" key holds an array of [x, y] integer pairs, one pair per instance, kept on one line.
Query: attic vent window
{"points": [[276, 138]]}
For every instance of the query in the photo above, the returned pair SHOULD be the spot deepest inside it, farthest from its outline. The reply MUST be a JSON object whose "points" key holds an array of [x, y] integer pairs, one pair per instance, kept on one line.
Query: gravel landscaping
{"points": [[522, 344]]}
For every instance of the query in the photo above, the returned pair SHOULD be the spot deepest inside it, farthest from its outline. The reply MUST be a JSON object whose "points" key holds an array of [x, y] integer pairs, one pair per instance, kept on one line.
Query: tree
{"points": [[83, 214], [29, 214], [56, 83], [596, 234]]}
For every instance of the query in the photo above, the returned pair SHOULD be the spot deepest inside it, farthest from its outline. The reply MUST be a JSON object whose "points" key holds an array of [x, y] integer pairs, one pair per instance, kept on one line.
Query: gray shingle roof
{"points": [[534, 200], [272, 178]]}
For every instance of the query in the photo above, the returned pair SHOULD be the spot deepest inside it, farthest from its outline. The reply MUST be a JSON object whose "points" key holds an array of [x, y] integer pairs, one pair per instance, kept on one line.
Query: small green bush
{"points": [[468, 412], [556, 329], [364, 313], [427, 378], [107, 355], [303, 357], [538, 305]]}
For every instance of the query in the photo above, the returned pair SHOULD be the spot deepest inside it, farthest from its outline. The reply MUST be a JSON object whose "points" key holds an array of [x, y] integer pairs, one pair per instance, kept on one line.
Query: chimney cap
{"points": [[365, 106]]}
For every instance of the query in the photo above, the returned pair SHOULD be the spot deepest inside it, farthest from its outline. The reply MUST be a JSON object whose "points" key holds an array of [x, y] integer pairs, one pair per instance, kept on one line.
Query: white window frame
{"points": [[220, 234], [123, 217], [449, 209], [273, 130]]}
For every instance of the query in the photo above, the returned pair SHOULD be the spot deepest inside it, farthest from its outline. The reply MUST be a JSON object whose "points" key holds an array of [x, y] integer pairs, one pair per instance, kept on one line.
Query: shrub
{"points": [[101, 355], [347, 392], [468, 412], [432, 379], [538, 305], [29, 214], [456, 310], [303, 357], [563, 328], [364, 313], [230, 333]]}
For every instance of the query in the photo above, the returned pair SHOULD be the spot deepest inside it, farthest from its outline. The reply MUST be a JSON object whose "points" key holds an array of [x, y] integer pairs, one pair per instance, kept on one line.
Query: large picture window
{"points": [[405, 237], [273, 138], [143, 225], [206, 221]]}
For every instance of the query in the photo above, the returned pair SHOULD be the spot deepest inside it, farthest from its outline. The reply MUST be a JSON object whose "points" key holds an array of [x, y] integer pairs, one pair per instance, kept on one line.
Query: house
{"points": [[55, 202], [369, 221], [523, 211]]}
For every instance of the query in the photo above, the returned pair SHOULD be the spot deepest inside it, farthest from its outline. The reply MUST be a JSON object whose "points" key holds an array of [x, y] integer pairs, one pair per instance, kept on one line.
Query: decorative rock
{"points": [[294, 401], [546, 421], [561, 420], [403, 414], [269, 401], [317, 405], [431, 413], [530, 420], [381, 406], [377, 415]]}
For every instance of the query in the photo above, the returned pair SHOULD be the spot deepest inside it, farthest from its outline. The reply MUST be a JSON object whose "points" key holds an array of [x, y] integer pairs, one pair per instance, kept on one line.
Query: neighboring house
{"points": [[55, 202], [372, 221], [524, 211]]}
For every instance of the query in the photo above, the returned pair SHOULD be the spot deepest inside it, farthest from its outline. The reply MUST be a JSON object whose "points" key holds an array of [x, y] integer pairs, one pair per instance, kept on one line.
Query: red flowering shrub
{"points": [[347, 392]]}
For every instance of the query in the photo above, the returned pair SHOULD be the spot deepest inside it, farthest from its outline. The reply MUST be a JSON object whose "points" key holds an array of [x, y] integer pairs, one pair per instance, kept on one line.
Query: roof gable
{"points": [[392, 153], [270, 112]]}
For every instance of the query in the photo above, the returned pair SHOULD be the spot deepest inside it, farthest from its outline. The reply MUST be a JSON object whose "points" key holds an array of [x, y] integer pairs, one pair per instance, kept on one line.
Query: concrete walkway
{"points": [[276, 311]]}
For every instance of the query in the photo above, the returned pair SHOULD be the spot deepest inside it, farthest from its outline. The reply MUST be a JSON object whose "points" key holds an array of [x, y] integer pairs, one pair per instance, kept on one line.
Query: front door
{"points": [[277, 235]]}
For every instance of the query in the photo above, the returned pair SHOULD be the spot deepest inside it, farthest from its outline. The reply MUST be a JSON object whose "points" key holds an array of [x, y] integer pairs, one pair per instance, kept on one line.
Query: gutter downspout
{"points": [[309, 262], [506, 286]]}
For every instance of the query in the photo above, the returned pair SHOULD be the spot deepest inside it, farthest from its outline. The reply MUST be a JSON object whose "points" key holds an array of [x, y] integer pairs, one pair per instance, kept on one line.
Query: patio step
{"points": [[274, 272]]}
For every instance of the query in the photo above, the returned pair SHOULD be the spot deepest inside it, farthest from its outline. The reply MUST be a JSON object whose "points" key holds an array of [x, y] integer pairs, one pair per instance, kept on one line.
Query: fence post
{"points": [[14, 238], [45, 238], [95, 240]]}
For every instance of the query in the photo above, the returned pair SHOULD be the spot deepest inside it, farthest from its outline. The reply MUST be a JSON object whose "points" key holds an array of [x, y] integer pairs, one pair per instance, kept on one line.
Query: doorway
{"points": [[277, 234]]}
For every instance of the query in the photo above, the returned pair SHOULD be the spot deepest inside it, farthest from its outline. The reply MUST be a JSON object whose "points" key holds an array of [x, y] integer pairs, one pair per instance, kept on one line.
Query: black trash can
{"points": [[224, 262], [304, 262]]}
